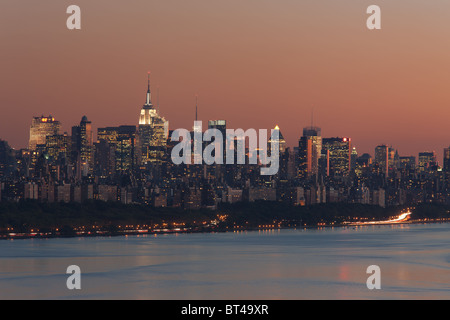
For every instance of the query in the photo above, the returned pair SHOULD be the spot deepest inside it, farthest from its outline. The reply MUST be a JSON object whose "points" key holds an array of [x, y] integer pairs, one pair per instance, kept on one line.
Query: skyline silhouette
{"points": [[255, 66]]}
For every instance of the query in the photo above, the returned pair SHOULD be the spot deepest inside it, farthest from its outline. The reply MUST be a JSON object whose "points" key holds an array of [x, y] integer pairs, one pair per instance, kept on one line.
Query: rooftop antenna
{"points": [[149, 96], [157, 98], [196, 106]]}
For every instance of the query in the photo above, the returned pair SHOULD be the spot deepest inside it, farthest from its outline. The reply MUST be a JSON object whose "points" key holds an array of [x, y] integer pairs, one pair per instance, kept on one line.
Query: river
{"points": [[328, 263]]}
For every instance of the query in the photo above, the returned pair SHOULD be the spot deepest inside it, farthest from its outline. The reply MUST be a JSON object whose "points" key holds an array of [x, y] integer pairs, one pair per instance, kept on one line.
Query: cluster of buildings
{"points": [[132, 164]]}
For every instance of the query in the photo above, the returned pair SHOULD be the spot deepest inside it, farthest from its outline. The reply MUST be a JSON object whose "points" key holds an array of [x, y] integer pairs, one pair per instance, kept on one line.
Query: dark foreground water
{"points": [[282, 264]]}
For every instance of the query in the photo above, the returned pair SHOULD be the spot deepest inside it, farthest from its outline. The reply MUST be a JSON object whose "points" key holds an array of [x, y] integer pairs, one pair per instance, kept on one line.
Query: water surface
{"points": [[327, 263]]}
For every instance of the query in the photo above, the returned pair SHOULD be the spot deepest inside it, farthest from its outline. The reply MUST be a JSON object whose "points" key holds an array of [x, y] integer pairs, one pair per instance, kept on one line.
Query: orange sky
{"points": [[255, 63]]}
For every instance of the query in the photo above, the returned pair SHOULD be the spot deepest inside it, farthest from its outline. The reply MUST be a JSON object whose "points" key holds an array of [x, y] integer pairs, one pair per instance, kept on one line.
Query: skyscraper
{"points": [[427, 159], [309, 151], [41, 127], [281, 140], [447, 159], [126, 146], [407, 162], [382, 158], [83, 147], [58, 146], [122, 149], [354, 157], [447, 165], [220, 125], [153, 132], [338, 152]]}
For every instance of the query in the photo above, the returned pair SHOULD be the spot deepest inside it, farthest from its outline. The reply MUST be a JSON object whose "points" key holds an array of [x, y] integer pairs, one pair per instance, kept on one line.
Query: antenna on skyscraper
{"points": [[149, 95], [157, 97], [312, 116], [196, 106]]}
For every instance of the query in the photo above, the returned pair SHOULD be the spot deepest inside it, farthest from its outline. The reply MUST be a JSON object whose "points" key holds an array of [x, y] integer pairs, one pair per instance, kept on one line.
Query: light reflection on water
{"points": [[328, 263]]}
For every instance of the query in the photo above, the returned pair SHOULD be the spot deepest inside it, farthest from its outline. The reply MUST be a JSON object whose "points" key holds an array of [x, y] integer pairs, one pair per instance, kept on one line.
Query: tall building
{"points": [[427, 160], [393, 158], [447, 159], [338, 155], [105, 159], [309, 152], [220, 125], [153, 132], [126, 149], [408, 162], [283, 152], [121, 144], [7, 159], [447, 165], [108, 134], [58, 146], [354, 157], [281, 140], [83, 147], [41, 127], [382, 158]]}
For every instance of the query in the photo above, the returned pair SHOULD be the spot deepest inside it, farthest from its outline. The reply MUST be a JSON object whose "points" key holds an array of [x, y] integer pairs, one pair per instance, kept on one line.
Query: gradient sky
{"points": [[255, 63]]}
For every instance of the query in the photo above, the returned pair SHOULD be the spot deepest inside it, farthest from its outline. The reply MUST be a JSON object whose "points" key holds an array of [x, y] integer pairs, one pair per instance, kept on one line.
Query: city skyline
{"points": [[148, 102], [255, 66], [239, 149]]}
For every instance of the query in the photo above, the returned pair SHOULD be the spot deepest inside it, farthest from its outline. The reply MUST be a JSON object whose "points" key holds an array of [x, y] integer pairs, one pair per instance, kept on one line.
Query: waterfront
{"points": [[327, 263]]}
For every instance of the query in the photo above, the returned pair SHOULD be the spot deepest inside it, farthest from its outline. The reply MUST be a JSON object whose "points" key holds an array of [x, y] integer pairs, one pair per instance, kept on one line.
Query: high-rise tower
{"points": [[83, 147], [338, 156], [41, 127], [153, 132], [310, 148]]}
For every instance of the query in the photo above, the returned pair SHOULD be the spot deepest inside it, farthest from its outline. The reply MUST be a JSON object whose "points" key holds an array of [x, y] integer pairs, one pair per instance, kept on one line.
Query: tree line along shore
{"points": [[37, 219]]}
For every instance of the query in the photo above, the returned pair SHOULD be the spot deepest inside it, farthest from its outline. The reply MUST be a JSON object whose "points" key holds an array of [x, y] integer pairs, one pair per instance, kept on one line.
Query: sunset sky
{"points": [[254, 63]]}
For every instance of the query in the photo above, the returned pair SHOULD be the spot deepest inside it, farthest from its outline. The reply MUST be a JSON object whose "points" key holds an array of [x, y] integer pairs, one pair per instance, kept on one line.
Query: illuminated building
{"points": [[382, 158], [216, 171], [447, 159], [426, 161], [283, 154], [153, 132], [58, 146], [105, 152], [354, 157], [7, 159], [104, 159], [220, 125], [447, 165], [83, 147], [41, 127], [108, 134], [392, 158], [309, 151], [338, 156], [121, 143], [281, 141], [408, 162], [126, 147]]}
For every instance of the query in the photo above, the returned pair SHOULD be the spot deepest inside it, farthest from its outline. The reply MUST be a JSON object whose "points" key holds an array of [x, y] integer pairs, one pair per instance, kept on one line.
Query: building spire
{"points": [[196, 106], [149, 95], [157, 98]]}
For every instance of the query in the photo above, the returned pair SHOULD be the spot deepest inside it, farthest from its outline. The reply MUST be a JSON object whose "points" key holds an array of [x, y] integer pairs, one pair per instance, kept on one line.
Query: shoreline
{"points": [[155, 232]]}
